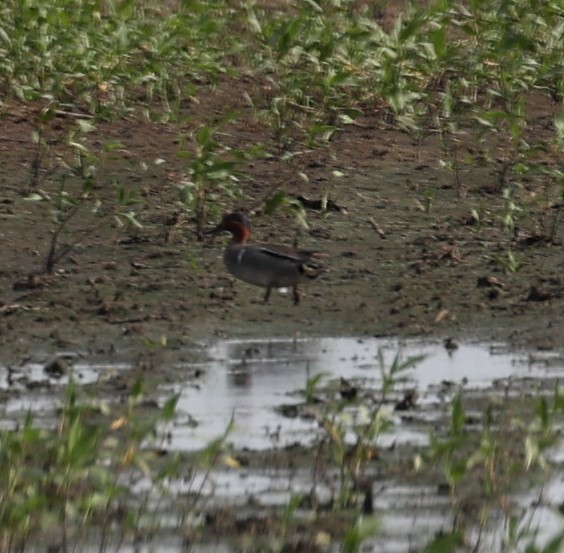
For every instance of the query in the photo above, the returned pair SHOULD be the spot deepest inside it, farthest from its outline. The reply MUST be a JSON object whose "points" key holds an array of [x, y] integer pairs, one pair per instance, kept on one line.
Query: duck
{"points": [[266, 265]]}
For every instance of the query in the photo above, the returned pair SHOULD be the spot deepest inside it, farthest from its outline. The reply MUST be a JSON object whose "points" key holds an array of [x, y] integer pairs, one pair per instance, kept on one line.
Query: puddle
{"points": [[268, 487], [34, 375], [30, 389], [249, 379], [543, 509]]}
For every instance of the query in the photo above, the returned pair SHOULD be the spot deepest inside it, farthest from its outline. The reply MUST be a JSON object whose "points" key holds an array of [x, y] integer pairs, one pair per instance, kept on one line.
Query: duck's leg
{"points": [[296, 295], [267, 295]]}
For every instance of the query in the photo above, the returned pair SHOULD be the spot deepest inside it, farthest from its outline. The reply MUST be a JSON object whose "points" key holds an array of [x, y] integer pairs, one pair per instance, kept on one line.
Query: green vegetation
{"points": [[463, 70], [74, 480], [108, 56], [212, 177], [346, 416], [101, 473], [495, 457], [73, 188], [482, 463], [61, 481]]}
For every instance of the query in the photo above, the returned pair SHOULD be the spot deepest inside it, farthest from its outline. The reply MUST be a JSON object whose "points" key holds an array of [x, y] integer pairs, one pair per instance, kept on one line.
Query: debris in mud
{"points": [[57, 368], [9, 308], [368, 503], [441, 315], [31, 282], [303, 545], [377, 228], [537, 293], [347, 390], [443, 488], [449, 252], [321, 205], [292, 411], [222, 294], [525, 238], [408, 401], [489, 282], [450, 344]]}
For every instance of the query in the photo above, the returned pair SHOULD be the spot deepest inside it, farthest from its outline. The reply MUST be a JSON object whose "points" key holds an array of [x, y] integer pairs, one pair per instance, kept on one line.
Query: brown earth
{"points": [[406, 256]]}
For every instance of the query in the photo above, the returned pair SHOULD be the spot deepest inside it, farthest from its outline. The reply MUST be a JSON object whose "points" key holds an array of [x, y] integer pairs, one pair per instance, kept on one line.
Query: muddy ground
{"points": [[405, 255]]}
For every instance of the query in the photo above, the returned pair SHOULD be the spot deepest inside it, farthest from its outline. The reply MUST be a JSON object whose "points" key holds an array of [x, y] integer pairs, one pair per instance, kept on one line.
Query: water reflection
{"points": [[248, 379]]}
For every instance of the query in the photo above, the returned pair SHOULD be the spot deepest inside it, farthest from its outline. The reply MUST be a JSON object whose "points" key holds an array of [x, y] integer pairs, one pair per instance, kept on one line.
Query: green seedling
{"points": [[61, 481], [312, 386], [362, 530], [211, 177], [280, 200], [510, 262], [351, 426]]}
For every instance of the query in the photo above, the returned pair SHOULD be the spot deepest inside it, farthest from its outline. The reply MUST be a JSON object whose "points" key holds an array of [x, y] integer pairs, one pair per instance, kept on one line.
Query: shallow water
{"points": [[29, 389], [248, 379]]}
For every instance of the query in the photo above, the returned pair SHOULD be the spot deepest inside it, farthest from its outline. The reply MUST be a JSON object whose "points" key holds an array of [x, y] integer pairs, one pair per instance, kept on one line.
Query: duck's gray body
{"points": [[266, 265], [270, 266]]}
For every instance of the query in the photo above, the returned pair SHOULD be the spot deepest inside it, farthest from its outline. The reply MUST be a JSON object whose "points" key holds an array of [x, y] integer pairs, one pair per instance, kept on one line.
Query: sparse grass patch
{"points": [[97, 476], [483, 466], [63, 481]]}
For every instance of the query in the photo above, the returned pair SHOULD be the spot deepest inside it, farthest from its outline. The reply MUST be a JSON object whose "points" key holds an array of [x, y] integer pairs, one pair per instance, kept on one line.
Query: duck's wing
{"points": [[306, 262], [290, 254]]}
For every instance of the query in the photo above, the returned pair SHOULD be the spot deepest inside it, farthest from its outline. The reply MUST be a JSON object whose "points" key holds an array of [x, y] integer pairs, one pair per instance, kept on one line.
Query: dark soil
{"points": [[406, 256]]}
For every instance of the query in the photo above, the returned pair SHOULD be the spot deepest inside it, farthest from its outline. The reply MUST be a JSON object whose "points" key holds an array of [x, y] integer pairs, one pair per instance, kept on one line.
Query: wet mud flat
{"points": [[295, 466]]}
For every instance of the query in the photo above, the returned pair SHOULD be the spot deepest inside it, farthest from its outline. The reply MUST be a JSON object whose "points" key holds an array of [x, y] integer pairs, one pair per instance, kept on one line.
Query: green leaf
{"points": [[360, 532], [559, 398], [559, 126], [278, 199], [532, 452], [169, 408], [400, 365], [439, 40], [4, 36], [186, 193], [203, 136], [80, 147], [35, 197], [111, 146], [211, 452], [253, 21], [131, 218], [137, 388], [457, 470], [556, 545], [444, 543], [85, 126], [314, 6], [312, 384], [458, 416], [541, 411]]}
